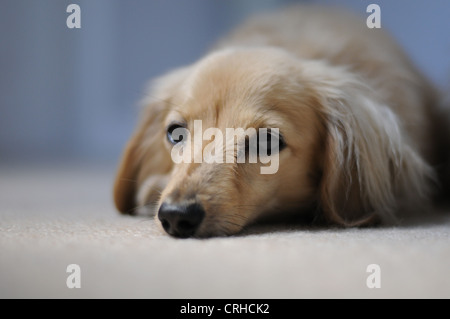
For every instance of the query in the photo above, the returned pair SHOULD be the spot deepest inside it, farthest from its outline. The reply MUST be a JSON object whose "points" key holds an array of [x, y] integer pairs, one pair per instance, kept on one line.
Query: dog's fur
{"points": [[360, 124]]}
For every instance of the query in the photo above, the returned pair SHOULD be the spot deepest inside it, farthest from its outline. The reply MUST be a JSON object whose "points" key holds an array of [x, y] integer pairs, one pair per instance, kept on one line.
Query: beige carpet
{"points": [[58, 215]]}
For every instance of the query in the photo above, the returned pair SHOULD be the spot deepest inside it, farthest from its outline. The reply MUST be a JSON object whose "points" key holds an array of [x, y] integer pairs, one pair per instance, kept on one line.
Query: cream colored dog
{"points": [[357, 129]]}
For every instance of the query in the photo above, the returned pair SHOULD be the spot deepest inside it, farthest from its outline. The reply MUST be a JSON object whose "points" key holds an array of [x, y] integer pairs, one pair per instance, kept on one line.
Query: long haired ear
{"points": [[145, 146], [370, 170], [145, 154]]}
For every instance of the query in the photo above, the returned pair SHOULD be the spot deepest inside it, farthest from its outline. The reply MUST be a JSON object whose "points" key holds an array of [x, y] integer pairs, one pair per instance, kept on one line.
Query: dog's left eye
{"points": [[268, 142], [176, 133], [272, 143]]}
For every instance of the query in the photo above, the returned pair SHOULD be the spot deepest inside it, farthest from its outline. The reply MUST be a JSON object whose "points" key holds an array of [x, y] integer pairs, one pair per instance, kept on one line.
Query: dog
{"points": [[358, 129]]}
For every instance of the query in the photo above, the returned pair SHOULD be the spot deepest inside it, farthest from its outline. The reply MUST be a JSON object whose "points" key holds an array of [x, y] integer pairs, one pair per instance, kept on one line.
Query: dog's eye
{"points": [[176, 133], [266, 143]]}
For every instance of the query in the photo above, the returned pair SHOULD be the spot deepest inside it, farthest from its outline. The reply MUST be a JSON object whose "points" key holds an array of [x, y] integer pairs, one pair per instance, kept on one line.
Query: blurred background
{"points": [[71, 94]]}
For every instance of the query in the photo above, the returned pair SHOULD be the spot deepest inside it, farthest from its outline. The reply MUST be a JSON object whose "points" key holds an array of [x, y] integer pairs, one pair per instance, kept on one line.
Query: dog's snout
{"points": [[181, 220]]}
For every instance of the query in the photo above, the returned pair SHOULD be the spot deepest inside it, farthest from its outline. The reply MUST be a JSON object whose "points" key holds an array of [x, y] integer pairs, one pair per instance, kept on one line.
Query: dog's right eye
{"points": [[176, 133]]}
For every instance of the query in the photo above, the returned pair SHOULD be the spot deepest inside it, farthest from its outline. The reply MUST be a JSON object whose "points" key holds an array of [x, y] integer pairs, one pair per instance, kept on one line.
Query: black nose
{"points": [[181, 220]]}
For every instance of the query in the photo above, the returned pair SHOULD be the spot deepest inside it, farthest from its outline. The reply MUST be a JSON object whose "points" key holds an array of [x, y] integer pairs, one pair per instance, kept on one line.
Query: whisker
{"points": [[150, 206]]}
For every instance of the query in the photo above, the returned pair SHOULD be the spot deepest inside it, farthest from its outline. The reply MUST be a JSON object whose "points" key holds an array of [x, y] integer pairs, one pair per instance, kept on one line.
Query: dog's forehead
{"points": [[230, 86], [237, 73], [222, 114]]}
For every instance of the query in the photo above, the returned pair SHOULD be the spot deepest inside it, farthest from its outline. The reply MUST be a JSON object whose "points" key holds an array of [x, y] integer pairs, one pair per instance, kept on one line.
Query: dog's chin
{"points": [[217, 229], [224, 228]]}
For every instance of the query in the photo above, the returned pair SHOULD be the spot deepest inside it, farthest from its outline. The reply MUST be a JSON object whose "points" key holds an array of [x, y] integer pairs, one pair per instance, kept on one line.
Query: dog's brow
{"points": [[268, 119], [175, 116]]}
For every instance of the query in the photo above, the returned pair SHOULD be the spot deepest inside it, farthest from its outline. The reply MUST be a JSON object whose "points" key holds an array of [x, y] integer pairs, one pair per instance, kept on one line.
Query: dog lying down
{"points": [[301, 112]]}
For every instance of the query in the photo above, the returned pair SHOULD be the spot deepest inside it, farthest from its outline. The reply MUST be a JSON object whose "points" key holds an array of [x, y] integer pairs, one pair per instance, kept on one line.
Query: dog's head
{"points": [[338, 152]]}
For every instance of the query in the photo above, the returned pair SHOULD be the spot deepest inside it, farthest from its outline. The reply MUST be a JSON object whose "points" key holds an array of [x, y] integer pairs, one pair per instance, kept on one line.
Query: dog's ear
{"points": [[145, 154], [368, 166]]}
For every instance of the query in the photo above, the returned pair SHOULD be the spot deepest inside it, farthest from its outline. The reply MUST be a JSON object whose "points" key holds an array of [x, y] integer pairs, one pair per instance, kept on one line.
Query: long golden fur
{"points": [[358, 119]]}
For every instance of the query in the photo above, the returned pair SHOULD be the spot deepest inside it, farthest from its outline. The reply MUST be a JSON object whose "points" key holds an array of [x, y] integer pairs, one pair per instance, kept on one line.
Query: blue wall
{"points": [[72, 94]]}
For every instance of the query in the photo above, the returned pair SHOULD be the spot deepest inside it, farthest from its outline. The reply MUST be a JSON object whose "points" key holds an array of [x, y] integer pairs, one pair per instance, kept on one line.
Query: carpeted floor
{"points": [[54, 216]]}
